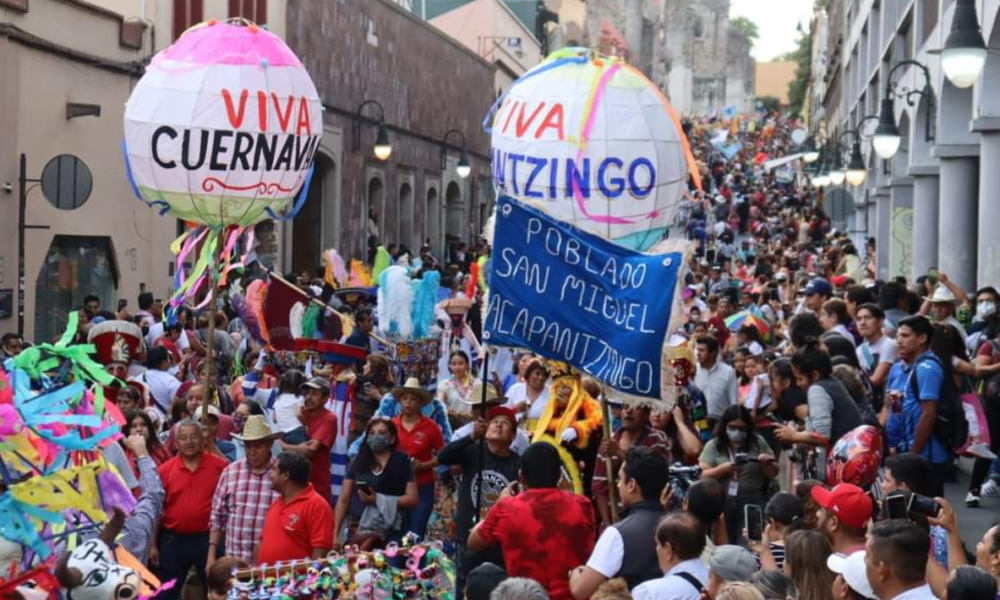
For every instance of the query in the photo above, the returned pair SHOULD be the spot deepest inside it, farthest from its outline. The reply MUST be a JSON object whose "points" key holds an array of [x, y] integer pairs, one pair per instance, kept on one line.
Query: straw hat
{"points": [[456, 306], [412, 386], [255, 429], [476, 397]]}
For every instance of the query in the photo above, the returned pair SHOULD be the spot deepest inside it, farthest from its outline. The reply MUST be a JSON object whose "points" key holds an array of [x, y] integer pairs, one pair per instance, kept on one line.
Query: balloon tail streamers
{"points": [[303, 194]]}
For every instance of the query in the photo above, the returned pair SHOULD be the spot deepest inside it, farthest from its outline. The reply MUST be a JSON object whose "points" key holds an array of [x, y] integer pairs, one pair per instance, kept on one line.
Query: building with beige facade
{"points": [[68, 67], [493, 31]]}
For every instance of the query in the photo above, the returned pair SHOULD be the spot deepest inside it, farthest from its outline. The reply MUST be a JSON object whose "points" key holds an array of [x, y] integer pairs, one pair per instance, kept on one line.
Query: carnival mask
{"points": [[92, 574]]}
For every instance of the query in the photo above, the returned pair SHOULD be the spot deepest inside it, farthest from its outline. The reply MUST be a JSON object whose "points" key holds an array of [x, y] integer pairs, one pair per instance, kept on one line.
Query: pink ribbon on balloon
{"points": [[596, 95]]}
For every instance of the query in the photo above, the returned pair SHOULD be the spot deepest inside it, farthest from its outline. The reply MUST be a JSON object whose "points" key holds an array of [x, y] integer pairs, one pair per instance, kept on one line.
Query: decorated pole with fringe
{"points": [[213, 287], [608, 460]]}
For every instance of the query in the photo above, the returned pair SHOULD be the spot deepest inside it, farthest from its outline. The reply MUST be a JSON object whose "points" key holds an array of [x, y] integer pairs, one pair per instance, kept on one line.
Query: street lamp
{"points": [[964, 53], [464, 168], [382, 147], [887, 139], [811, 154], [837, 173], [856, 170]]}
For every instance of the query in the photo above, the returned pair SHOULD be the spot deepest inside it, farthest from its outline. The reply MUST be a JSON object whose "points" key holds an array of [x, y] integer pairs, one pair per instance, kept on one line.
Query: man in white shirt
{"points": [[625, 549], [680, 540], [877, 353], [896, 560], [162, 385], [714, 378]]}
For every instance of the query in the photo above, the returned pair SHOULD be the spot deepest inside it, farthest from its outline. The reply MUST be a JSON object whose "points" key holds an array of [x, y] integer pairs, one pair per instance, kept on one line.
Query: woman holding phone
{"points": [[379, 470]]}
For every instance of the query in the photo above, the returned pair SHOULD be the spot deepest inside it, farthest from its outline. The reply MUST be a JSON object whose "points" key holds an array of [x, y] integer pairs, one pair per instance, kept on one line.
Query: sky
{"points": [[777, 20]]}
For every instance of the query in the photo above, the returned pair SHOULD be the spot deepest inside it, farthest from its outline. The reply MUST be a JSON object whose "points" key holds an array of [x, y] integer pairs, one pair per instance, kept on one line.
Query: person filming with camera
{"points": [[742, 462]]}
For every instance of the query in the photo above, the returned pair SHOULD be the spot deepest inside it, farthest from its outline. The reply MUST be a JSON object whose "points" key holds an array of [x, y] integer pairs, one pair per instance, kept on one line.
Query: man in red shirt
{"points": [[544, 532], [321, 427], [189, 480], [300, 522]]}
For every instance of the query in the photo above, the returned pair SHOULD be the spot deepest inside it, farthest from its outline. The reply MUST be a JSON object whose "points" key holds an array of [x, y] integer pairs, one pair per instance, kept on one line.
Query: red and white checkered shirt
{"points": [[239, 506]]}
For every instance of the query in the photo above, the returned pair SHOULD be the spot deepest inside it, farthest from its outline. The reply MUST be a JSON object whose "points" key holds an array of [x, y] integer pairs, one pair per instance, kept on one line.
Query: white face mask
{"points": [[985, 309]]}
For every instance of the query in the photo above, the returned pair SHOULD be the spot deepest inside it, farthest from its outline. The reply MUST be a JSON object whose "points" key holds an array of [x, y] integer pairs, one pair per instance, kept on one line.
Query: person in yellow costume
{"points": [[572, 418]]}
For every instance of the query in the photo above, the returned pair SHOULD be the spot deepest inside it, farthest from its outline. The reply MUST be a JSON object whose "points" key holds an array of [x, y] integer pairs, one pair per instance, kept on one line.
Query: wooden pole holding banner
{"points": [[482, 440], [213, 287], [609, 461]]}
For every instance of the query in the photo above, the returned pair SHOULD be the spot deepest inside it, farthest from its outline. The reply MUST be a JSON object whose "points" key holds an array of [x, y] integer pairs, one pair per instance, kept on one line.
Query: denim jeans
{"points": [[178, 553], [418, 516]]}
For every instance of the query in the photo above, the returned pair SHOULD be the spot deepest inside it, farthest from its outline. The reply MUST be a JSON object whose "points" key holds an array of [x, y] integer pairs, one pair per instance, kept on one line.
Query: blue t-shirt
{"points": [[901, 429]]}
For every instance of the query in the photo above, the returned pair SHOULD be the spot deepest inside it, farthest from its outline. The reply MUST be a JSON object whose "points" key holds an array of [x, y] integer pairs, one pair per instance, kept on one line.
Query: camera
{"points": [[681, 480], [741, 458]]}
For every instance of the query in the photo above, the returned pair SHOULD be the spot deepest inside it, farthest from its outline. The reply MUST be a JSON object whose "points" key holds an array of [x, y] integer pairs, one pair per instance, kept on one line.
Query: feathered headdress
{"points": [[423, 303], [395, 303], [360, 277], [382, 262], [336, 271]]}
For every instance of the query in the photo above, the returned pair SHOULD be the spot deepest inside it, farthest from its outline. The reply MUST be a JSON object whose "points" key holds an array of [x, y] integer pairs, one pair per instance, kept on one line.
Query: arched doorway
{"points": [[307, 226], [454, 232], [376, 200], [432, 219], [406, 216]]}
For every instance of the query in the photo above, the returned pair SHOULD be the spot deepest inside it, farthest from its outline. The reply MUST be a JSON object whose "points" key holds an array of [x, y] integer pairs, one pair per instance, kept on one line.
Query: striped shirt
{"points": [[139, 526], [239, 506]]}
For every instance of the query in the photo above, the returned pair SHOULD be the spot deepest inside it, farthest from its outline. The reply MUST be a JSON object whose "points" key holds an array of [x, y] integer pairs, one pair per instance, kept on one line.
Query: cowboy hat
{"points": [[255, 429], [476, 397], [412, 386], [942, 295]]}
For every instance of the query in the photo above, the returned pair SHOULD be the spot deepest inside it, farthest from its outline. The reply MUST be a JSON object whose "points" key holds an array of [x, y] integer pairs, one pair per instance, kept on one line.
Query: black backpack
{"points": [[951, 427]]}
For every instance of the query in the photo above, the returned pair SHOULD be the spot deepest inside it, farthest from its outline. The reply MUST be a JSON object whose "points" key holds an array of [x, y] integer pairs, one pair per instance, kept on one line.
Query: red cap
{"points": [[847, 501], [503, 411]]}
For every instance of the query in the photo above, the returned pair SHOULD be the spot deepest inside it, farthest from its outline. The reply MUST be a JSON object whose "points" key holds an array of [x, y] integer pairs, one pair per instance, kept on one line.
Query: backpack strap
{"points": [[692, 580]]}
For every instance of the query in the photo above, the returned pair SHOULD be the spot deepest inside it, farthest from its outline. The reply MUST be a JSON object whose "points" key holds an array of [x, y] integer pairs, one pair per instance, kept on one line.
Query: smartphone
{"points": [[896, 506], [754, 516], [365, 487], [122, 303], [923, 505]]}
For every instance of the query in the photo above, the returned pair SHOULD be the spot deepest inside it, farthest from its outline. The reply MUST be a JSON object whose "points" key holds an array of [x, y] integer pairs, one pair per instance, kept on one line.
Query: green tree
{"points": [[769, 103], [799, 87], [748, 27]]}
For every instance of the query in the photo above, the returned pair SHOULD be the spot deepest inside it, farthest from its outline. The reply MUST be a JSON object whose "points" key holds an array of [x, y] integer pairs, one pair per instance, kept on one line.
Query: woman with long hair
{"points": [[832, 411], [379, 469], [456, 391], [139, 423], [741, 461], [805, 563]]}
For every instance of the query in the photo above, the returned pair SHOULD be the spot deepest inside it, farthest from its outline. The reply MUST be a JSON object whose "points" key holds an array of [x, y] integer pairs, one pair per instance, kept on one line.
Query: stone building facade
{"points": [[428, 84], [685, 46]]}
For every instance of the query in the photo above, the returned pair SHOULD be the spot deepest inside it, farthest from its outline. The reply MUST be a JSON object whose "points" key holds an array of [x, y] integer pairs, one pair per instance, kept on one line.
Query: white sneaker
{"points": [[972, 500], [989, 489]]}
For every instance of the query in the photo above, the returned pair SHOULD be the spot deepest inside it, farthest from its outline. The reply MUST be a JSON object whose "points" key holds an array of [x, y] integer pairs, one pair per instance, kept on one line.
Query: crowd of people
{"points": [[789, 345]]}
